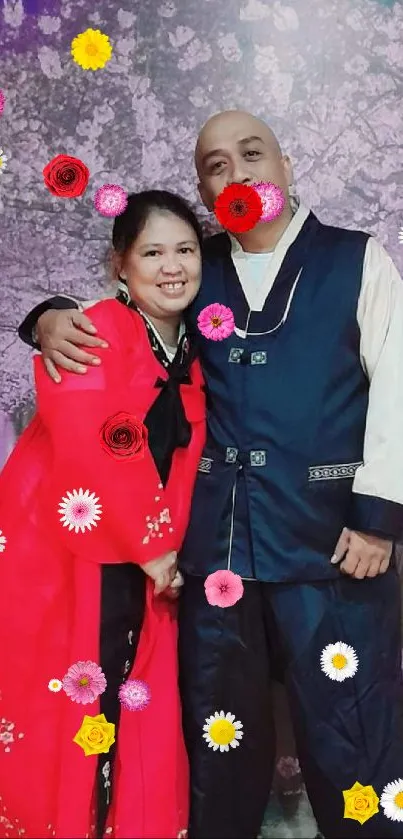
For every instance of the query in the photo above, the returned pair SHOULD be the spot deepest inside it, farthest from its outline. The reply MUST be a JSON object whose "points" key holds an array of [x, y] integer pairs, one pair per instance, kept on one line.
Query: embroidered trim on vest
{"points": [[235, 355], [231, 455], [333, 472], [258, 458], [205, 465], [259, 357]]}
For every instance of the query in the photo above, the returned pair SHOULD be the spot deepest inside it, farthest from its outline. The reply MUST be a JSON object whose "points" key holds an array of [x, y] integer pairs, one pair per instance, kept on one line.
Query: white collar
{"points": [[290, 234]]}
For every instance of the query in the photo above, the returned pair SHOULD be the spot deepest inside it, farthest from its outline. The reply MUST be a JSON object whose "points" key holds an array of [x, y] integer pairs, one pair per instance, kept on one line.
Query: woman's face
{"points": [[163, 267]]}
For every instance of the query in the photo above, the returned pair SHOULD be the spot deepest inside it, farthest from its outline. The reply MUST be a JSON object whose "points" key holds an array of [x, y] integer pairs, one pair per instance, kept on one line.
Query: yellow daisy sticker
{"points": [[339, 661], [360, 803], [392, 800], [96, 735], [222, 731], [91, 49]]}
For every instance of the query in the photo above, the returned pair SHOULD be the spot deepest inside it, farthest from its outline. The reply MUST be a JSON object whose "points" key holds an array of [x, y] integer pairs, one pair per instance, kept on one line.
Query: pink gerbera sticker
{"points": [[110, 200], [272, 198], [223, 588], [134, 695], [2, 101], [84, 682], [216, 322]]}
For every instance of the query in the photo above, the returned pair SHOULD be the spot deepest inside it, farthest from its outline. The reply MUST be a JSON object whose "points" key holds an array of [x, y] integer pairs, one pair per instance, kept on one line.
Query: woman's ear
{"points": [[117, 266]]}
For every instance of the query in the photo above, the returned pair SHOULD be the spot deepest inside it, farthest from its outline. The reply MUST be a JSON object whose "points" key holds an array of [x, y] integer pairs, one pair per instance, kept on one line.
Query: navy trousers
{"points": [[345, 731]]}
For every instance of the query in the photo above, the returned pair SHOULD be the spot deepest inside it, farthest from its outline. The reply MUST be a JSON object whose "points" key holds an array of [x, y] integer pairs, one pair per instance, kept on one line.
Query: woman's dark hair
{"points": [[128, 226]]}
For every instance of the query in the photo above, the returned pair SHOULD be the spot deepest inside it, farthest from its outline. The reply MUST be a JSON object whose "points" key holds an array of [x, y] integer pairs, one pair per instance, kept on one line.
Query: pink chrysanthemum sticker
{"points": [[134, 695], [2, 101], [272, 198], [223, 588], [84, 681], [110, 200], [216, 322]]}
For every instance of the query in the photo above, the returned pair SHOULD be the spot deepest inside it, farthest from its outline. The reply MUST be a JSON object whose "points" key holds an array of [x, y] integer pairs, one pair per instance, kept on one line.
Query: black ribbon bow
{"points": [[166, 421]]}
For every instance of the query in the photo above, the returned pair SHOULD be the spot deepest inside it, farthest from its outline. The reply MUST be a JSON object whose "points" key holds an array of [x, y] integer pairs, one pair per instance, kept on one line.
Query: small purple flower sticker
{"points": [[110, 200], [272, 198], [2, 102], [134, 695]]}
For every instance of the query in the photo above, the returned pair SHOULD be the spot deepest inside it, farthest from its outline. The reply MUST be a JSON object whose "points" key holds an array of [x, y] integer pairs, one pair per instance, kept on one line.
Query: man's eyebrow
{"points": [[250, 140], [243, 142]]}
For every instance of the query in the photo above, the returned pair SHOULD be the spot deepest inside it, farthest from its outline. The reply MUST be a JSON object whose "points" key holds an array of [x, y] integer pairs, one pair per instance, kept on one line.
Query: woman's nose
{"points": [[171, 266]]}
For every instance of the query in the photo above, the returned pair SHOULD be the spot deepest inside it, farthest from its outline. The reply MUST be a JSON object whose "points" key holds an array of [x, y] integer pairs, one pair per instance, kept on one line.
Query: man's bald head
{"points": [[237, 147], [228, 121]]}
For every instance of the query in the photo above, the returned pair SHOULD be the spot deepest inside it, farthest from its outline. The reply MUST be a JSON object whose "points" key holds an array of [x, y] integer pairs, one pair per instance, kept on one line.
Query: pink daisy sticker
{"points": [[216, 322], [223, 588], [110, 200], [84, 681], [134, 695], [272, 198], [2, 101]]}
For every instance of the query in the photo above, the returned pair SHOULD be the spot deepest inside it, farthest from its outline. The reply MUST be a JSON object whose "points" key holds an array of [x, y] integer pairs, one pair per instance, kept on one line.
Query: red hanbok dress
{"points": [[82, 505]]}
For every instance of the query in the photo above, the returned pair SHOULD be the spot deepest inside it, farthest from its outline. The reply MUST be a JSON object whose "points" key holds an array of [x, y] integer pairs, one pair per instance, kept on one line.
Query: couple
{"points": [[299, 492]]}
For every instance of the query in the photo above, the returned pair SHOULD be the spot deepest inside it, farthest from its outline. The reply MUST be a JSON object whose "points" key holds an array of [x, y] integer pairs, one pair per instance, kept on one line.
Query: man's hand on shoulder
{"points": [[60, 333], [362, 554]]}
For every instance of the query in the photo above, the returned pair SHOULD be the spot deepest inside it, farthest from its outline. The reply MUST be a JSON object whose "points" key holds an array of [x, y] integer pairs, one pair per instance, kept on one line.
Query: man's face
{"points": [[237, 148]]}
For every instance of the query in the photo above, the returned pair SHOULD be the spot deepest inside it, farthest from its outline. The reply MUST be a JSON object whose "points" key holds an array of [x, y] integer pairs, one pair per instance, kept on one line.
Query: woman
{"points": [[94, 506]]}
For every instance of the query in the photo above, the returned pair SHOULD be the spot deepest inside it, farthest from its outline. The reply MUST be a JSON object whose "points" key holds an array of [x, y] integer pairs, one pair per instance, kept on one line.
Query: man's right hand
{"points": [[60, 333]]}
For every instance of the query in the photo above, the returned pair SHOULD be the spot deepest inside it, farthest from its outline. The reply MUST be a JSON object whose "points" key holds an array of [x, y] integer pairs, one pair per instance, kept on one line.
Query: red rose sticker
{"points": [[124, 437], [66, 177]]}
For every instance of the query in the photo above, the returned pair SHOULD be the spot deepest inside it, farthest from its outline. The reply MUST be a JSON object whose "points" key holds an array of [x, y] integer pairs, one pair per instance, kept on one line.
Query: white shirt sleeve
{"points": [[380, 319]]}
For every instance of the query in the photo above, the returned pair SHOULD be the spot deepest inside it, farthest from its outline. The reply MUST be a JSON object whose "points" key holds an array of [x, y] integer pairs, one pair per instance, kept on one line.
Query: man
{"points": [[300, 492]]}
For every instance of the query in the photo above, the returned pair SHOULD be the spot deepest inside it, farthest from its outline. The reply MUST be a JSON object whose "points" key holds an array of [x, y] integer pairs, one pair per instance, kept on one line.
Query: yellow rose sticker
{"points": [[360, 803], [96, 735]]}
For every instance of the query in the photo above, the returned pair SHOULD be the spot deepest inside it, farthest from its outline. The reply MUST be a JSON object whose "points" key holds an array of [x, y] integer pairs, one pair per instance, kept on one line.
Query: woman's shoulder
{"points": [[114, 321]]}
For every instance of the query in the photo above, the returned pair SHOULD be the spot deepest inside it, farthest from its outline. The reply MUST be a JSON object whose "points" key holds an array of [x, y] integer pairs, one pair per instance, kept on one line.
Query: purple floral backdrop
{"points": [[326, 74]]}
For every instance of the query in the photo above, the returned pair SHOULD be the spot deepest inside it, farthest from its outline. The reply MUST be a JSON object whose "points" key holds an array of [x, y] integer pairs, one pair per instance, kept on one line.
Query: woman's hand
{"points": [[173, 591], [60, 333], [162, 570]]}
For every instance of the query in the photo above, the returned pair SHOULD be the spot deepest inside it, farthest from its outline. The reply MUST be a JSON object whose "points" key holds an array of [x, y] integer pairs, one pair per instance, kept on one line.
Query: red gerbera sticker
{"points": [[66, 177], [238, 208]]}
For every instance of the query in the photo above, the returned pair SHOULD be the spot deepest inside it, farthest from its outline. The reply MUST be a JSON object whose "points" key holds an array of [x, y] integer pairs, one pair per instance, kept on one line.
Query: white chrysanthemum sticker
{"points": [[222, 731], [392, 801], [79, 510], [3, 542], [339, 661]]}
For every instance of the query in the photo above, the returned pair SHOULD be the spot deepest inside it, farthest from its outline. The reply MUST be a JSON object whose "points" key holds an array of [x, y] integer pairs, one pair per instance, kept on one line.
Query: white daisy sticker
{"points": [[55, 685], [80, 511], [222, 731], [392, 800], [3, 161], [339, 661], [3, 542]]}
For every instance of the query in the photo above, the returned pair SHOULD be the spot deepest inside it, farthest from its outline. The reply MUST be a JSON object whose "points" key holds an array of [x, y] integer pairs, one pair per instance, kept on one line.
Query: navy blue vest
{"points": [[286, 413]]}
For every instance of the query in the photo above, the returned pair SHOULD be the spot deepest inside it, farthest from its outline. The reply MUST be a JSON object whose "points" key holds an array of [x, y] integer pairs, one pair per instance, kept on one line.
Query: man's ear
{"points": [[208, 203], [288, 170]]}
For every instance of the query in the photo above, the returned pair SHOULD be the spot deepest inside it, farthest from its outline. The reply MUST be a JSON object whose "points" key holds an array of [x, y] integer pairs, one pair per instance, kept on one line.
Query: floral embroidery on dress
{"points": [[8, 824], [8, 734], [106, 771], [154, 523], [3, 542]]}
